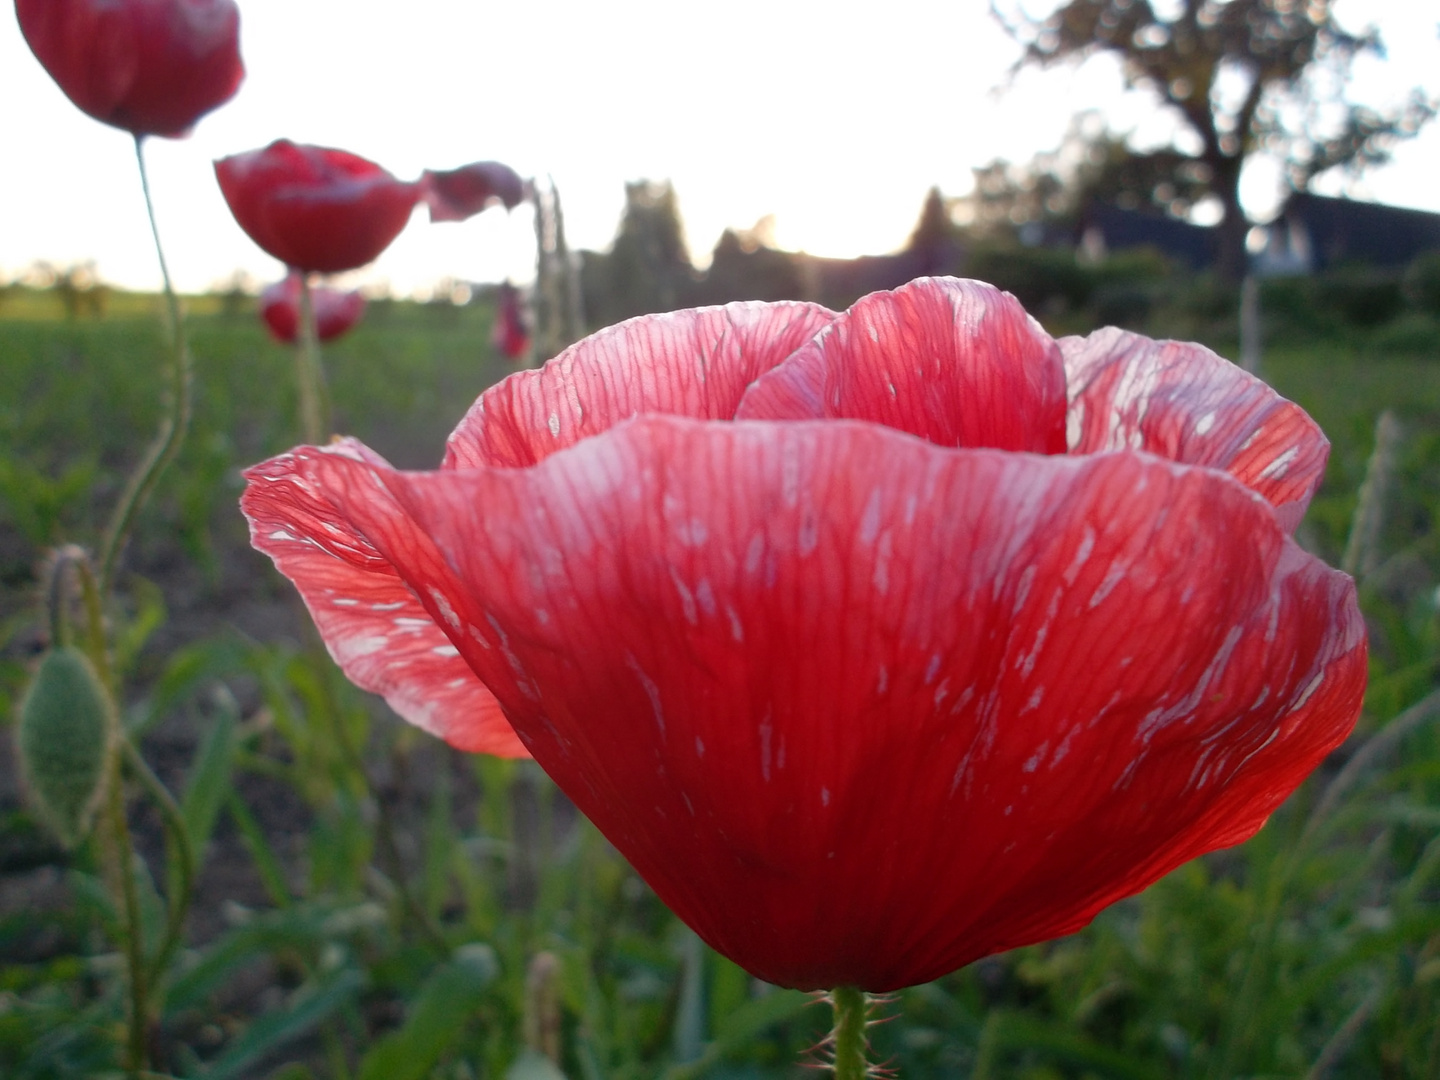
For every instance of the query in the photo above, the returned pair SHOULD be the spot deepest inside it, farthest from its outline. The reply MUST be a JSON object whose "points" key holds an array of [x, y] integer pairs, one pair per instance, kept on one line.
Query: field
{"points": [[373, 904]]}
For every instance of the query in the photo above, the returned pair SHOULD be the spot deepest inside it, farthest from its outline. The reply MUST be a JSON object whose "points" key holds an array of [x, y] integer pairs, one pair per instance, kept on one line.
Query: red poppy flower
{"points": [[335, 311], [877, 642], [151, 67], [456, 194], [511, 332], [314, 208]]}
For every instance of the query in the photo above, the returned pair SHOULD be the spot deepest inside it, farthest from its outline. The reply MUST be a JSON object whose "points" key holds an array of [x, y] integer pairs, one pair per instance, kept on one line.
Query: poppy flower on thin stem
{"points": [[149, 67], [879, 641], [326, 210], [315, 208], [335, 311]]}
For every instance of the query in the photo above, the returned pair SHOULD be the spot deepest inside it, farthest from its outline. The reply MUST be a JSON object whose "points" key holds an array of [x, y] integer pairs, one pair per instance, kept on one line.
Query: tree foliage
{"points": [[648, 267], [1090, 164], [1243, 77]]}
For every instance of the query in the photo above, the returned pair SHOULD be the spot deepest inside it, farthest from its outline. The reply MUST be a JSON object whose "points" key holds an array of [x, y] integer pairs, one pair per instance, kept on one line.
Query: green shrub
{"points": [[1421, 283], [1362, 295]]}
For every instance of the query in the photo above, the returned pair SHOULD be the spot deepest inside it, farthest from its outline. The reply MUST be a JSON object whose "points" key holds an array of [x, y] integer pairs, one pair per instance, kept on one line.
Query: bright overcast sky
{"points": [[837, 125]]}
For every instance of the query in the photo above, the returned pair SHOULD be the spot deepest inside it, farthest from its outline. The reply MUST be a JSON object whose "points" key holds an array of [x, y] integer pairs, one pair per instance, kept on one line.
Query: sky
{"points": [[831, 118]]}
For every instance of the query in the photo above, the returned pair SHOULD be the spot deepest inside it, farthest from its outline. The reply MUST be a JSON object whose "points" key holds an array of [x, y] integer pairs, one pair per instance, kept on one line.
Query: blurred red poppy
{"points": [[456, 194], [335, 311], [314, 208], [151, 67], [877, 642], [511, 332]]}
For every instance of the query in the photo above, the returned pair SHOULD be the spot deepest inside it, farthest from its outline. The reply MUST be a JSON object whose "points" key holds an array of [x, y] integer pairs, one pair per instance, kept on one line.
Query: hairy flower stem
{"points": [[117, 849], [314, 410], [849, 1035], [121, 853], [175, 419]]}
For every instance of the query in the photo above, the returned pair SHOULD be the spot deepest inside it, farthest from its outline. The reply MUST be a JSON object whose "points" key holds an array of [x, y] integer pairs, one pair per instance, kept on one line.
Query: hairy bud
{"points": [[64, 738]]}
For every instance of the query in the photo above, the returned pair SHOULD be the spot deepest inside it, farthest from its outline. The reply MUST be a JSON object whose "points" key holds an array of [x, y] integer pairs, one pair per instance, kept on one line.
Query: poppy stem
{"points": [[119, 852], [850, 1007], [176, 414], [314, 413]]}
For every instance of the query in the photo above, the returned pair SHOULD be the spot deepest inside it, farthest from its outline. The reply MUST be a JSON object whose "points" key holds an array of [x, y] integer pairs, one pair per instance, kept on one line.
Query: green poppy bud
{"points": [[64, 737]]}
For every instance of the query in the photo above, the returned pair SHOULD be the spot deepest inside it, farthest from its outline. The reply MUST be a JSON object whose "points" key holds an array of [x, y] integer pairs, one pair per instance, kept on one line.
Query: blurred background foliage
{"points": [[373, 904]]}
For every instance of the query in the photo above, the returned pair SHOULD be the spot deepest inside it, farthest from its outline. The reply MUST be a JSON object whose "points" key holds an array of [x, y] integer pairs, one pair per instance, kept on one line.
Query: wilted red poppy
{"points": [[511, 332], [876, 642], [335, 311], [314, 208], [456, 194], [151, 67]]}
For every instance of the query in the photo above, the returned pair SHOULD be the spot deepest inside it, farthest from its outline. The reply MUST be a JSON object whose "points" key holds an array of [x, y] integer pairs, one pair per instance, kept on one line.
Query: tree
{"points": [[935, 241], [1245, 76], [648, 268], [1090, 164]]}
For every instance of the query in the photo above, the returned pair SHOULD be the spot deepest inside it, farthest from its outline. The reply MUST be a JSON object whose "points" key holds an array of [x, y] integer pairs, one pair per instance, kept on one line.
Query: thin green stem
{"points": [[184, 858], [173, 423], [314, 405], [123, 852], [95, 643], [57, 596], [849, 1035]]}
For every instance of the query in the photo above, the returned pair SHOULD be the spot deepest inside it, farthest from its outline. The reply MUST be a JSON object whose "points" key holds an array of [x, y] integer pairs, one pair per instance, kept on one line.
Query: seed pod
{"points": [[64, 737]]}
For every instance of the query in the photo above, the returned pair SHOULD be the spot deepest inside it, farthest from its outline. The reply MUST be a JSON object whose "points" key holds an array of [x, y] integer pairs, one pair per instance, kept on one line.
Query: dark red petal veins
{"points": [[1182, 402], [956, 362], [380, 634], [693, 363], [862, 709]]}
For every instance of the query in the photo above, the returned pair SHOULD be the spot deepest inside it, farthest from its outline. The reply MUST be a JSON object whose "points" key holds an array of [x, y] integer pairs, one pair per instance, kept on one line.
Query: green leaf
{"points": [[131, 634], [446, 1003], [209, 781], [439, 842], [688, 1032], [301, 929], [188, 670], [310, 1006], [266, 864], [741, 1028], [532, 1065], [1017, 1031]]}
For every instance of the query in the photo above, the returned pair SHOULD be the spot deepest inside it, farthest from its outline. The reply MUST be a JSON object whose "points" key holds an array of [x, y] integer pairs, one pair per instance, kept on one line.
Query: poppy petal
{"points": [[693, 363], [720, 639], [376, 629], [958, 363], [150, 67], [1183, 402], [457, 194]]}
